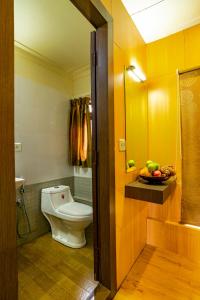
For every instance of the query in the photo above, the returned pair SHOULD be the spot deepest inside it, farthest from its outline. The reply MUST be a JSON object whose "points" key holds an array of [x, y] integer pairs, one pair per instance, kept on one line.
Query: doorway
{"points": [[103, 125], [53, 151]]}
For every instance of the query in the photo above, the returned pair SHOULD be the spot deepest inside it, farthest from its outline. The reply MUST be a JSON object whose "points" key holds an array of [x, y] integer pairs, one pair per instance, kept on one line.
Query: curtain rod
{"points": [[188, 70]]}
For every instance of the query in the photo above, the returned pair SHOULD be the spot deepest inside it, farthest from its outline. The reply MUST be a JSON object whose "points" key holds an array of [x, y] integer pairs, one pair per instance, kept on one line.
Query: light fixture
{"points": [[136, 74]]}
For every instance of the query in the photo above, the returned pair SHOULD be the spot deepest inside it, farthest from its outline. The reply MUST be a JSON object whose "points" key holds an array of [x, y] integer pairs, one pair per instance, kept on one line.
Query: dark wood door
{"points": [[8, 258]]}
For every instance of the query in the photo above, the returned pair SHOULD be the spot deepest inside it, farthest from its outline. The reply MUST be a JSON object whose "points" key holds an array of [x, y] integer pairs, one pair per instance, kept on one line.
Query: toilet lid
{"points": [[76, 209]]}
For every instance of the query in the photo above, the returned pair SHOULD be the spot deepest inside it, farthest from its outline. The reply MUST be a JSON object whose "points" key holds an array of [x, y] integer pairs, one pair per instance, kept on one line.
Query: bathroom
{"points": [[144, 239], [52, 86]]}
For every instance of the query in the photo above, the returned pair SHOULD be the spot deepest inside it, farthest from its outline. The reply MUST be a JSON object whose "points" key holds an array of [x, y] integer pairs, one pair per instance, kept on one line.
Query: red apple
{"points": [[157, 173]]}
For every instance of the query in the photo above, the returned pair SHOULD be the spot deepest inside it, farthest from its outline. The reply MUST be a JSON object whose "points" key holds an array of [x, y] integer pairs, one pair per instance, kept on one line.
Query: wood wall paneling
{"points": [[130, 215], [175, 237], [171, 208], [164, 57], [192, 47]]}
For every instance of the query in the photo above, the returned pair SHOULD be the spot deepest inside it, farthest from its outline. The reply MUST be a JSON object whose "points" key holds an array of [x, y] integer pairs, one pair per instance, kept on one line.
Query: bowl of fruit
{"points": [[153, 173]]}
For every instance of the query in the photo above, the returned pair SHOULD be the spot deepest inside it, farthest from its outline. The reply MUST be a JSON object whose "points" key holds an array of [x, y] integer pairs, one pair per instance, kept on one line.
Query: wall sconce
{"points": [[136, 74]]}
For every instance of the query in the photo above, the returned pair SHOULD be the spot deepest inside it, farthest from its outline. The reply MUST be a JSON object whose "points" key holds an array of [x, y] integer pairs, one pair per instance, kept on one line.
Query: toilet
{"points": [[68, 219]]}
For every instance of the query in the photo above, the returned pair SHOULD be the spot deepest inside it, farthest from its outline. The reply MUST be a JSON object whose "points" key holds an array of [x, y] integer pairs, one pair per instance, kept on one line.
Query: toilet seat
{"points": [[75, 209]]}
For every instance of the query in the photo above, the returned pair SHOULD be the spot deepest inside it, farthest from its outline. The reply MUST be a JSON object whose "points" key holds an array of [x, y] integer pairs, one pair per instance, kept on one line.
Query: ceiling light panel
{"points": [[158, 19], [134, 6]]}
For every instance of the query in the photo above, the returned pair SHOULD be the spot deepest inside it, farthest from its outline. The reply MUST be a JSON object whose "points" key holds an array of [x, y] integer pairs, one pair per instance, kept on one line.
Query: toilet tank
{"points": [[56, 196]]}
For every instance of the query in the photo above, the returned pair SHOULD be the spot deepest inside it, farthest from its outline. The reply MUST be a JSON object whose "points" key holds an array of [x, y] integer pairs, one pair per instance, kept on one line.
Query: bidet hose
{"points": [[21, 205]]}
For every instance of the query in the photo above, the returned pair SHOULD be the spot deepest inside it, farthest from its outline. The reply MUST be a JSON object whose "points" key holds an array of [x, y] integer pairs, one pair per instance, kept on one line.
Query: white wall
{"points": [[41, 120], [82, 87], [81, 82]]}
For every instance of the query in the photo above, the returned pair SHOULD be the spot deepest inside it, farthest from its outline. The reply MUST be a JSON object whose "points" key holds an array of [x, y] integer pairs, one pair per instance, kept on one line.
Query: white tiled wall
{"points": [[83, 188]]}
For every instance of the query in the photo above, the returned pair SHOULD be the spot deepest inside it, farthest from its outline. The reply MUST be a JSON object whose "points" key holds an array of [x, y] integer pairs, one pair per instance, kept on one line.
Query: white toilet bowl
{"points": [[68, 219]]}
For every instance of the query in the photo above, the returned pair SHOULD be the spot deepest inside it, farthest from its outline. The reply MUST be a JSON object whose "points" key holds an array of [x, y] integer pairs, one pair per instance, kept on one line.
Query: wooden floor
{"points": [[48, 270], [161, 275]]}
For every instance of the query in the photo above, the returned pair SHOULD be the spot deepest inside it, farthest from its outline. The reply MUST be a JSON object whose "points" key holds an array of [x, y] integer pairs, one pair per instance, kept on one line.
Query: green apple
{"points": [[157, 166], [148, 162], [131, 163], [153, 167]]}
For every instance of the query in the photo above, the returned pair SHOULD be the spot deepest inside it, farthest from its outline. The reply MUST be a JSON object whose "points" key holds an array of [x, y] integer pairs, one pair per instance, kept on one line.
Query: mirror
{"points": [[136, 122]]}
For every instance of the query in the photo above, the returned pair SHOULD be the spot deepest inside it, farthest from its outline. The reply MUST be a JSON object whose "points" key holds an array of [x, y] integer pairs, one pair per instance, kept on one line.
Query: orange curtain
{"points": [[80, 140]]}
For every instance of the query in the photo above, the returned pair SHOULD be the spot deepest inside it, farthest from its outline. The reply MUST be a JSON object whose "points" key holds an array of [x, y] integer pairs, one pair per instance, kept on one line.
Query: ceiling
{"points": [[54, 30], [156, 19]]}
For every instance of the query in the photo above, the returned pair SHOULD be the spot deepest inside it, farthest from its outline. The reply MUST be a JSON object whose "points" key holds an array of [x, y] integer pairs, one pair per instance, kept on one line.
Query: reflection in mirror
{"points": [[136, 119]]}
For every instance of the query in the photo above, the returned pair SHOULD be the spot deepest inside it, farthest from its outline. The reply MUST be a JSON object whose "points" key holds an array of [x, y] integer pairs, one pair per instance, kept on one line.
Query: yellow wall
{"points": [[129, 48], [164, 57]]}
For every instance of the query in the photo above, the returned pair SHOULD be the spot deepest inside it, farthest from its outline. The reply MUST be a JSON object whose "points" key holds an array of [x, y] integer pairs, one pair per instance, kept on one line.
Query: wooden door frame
{"points": [[8, 257], [103, 142], [103, 160]]}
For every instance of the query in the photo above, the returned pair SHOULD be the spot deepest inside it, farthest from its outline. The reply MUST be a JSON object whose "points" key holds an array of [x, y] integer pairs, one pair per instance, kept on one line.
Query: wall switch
{"points": [[18, 147], [122, 145]]}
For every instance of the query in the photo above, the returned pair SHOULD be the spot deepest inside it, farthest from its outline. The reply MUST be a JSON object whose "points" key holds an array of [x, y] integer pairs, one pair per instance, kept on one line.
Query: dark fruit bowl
{"points": [[154, 179]]}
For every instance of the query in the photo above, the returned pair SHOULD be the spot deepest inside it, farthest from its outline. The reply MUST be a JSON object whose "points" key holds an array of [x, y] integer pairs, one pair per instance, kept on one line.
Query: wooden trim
{"points": [[8, 258], [91, 13], [180, 72], [94, 154], [105, 171]]}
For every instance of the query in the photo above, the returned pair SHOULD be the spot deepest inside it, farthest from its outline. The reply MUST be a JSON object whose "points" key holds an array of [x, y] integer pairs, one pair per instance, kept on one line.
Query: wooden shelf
{"points": [[154, 193]]}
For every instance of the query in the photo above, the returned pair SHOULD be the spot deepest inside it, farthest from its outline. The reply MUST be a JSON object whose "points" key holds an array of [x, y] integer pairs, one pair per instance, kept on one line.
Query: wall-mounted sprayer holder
{"points": [[22, 213]]}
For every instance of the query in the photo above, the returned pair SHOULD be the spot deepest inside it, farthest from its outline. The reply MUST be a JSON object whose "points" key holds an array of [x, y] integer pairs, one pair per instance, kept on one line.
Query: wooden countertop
{"points": [[154, 193]]}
